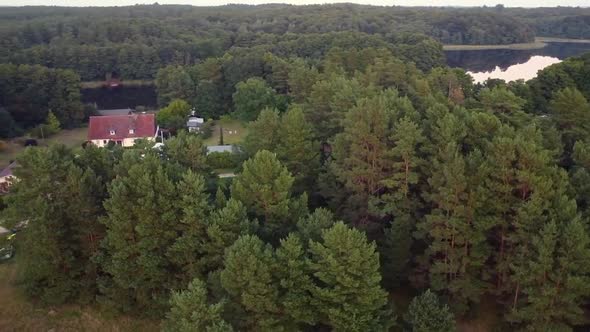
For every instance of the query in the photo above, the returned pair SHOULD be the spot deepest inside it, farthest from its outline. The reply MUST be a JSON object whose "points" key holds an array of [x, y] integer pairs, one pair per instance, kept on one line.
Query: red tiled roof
{"points": [[143, 125]]}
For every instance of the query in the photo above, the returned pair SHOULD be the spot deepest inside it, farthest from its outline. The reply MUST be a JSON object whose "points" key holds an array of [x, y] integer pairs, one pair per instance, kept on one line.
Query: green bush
{"points": [[217, 160]]}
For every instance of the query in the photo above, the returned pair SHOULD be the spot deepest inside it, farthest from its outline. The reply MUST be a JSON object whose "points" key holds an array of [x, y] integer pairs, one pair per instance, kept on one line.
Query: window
{"points": [[112, 132], [104, 141], [132, 131]]}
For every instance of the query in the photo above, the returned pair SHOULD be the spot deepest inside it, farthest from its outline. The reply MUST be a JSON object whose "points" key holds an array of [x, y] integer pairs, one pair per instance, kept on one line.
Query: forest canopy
{"points": [[134, 42]]}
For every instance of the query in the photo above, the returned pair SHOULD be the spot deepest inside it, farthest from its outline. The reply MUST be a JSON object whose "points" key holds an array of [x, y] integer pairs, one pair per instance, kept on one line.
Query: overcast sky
{"points": [[508, 3]]}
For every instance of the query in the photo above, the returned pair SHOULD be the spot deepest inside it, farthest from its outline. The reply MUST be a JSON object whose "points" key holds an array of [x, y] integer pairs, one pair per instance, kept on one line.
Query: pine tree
{"points": [[360, 154], [220, 198], [296, 282], [187, 253], [312, 226], [347, 292], [141, 216], [190, 311], [426, 314], [188, 151], [53, 125], [224, 227], [263, 134], [264, 187], [61, 202], [248, 278], [522, 182], [456, 235], [453, 259], [571, 110], [329, 101], [297, 150], [401, 201], [552, 276]]}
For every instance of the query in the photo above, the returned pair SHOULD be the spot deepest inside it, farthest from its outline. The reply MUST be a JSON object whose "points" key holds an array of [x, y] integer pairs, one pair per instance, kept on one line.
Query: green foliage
{"points": [[263, 133], [30, 92], [175, 115], [297, 149], [188, 151], [172, 83], [141, 215], [347, 267], [426, 314], [222, 160], [464, 191], [360, 152], [248, 279], [47, 129], [251, 97], [264, 187], [224, 227], [186, 253], [8, 127], [191, 312], [63, 232], [312, 226], [571, 111]]}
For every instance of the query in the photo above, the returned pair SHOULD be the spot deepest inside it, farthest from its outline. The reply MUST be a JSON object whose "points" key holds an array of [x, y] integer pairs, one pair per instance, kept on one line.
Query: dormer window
{"points": [[112, 132], [131, 131]]}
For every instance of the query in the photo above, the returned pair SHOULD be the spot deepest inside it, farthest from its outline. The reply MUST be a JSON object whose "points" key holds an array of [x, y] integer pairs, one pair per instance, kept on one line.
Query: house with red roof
{"points": [[121, 129]]}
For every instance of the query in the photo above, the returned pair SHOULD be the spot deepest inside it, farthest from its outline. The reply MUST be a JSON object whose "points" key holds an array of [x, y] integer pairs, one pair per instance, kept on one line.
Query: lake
{"points": [[511, 65]]}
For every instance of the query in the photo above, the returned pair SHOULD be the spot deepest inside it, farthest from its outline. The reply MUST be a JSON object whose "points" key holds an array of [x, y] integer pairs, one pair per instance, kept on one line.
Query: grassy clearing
{"points": [[237, 128], [19, 314], [69, 137]]}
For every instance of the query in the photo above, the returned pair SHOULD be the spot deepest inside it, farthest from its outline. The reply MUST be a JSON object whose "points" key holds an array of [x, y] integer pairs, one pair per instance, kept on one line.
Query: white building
{"points": [[123, 130]]}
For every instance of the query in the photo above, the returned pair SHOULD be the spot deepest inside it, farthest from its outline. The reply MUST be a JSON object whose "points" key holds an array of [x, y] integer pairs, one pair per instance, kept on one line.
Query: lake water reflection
{"points": [[512, 65]]}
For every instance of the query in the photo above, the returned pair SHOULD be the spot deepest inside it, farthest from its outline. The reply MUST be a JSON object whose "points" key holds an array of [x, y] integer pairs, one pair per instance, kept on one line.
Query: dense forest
{"points": [[134, 42], [361, 177], [376, 188]]}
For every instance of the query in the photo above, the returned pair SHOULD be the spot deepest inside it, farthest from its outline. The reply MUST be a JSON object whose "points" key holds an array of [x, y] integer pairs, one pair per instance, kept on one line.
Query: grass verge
{"points": [[234, 132], [68, 137], [19, 314]]}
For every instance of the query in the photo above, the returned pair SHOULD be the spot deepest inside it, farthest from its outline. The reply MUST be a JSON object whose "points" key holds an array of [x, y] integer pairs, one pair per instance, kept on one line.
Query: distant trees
{"points": [[251, 97], [29, 93]]}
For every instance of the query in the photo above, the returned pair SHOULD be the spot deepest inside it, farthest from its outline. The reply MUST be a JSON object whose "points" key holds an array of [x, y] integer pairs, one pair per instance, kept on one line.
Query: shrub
{"points": [[218, 160]]}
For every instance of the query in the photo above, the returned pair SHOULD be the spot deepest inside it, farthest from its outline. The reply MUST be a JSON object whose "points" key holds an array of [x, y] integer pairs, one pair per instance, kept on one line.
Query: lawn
{"points": [[69, 137], [234, 132], [19, 314]]}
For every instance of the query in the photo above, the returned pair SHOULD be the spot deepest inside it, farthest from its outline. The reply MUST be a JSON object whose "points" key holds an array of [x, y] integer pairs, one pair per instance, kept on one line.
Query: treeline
{"points": [[360, 178], [29, 93], [134, 42], [565, 22], [142, 61]]}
